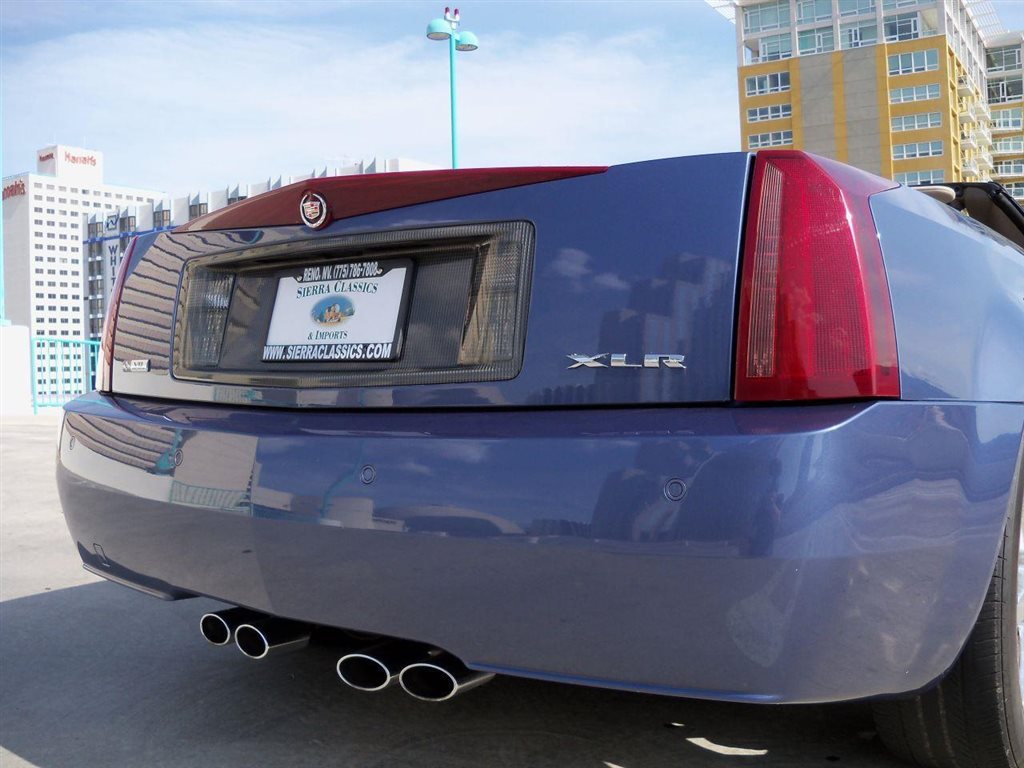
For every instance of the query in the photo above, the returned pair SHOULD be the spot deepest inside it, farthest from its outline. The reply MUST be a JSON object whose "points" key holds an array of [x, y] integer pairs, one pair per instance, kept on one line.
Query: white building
{"points": [[65, 232], [44, 268]]}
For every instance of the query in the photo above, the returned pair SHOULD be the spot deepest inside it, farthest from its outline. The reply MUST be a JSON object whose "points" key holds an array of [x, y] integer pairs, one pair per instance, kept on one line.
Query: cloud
{"points": [[209, 105], [611, 280], [571, 263]]}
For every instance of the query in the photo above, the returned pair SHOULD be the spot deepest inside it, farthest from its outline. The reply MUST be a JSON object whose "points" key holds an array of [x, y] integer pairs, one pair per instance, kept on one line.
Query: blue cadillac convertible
{"points": [[737, 427]]}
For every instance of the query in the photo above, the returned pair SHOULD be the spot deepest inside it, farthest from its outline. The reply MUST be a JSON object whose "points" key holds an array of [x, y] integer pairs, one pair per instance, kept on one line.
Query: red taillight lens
{"points": [[815, 318], [105, 364]]}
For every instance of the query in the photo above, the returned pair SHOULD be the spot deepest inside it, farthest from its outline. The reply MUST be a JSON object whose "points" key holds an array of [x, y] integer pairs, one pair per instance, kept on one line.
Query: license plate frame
{"points": [[324, 313]]}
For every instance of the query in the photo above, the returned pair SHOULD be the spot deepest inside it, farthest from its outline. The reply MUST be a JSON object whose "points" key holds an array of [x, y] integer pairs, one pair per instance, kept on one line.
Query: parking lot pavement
{"points": [[93, 674]]}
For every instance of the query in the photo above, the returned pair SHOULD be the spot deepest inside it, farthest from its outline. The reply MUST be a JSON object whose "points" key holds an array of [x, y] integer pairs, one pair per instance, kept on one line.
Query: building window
{"points": [[915, 122], [199, 209], [1003, 58], [776, 82], [773, 112], [773, 47], [892, 5], [757, 18], [818, 40], [917, 149], [1010, 167], [917, 61], [858, 34], [126, 224], [856, 7], [1007, 119], [1005, 89], [1013, 144], [904, 26], [161, 219], [813, 10], [914, 93], [1016, 189], [773, 139]]}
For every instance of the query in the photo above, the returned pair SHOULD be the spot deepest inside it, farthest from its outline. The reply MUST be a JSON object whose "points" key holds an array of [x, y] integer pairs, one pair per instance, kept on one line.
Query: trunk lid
{"points": [[588, 287]]}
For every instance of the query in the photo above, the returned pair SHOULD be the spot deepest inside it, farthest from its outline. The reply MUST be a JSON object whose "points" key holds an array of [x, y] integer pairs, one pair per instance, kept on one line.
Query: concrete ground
{"points": [[93, 674]]}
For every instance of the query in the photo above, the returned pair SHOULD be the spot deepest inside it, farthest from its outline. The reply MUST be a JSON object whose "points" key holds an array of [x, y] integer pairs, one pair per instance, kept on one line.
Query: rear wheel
{"points": [[974, 718]]}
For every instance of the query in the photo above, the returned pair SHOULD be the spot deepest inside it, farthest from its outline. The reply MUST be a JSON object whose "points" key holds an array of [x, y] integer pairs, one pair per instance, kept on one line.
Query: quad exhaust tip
{"points": [[424, 672]]}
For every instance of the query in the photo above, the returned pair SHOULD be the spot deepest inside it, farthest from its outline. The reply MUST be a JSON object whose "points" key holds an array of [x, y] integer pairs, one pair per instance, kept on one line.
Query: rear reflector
{"points": [[105, 363], [815, 318]]}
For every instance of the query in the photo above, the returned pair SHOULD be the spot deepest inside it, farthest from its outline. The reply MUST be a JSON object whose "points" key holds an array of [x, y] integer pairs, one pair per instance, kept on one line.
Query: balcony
{"points": [[967, 141], [970, 168], [983, 135], [963, 86], [985, 161]]}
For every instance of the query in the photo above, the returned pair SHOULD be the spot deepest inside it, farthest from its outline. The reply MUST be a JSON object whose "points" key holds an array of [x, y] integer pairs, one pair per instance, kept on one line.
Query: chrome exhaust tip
{"points": [[219, 627], [271, 636], [440, 679], [377, 666]]}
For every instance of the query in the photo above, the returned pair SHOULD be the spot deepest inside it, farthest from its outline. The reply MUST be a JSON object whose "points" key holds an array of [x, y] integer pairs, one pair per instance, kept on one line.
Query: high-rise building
{"points": [[919, 91], [1004, 67], [65, 232], [44, 267]]}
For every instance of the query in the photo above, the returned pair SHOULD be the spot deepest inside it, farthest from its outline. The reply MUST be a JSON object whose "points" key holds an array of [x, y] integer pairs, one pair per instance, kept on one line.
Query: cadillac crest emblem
{"points": [[313, 210]]}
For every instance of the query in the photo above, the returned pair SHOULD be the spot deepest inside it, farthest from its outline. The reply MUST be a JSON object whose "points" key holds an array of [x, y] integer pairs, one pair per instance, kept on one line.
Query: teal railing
{"points": [[62, 369]]}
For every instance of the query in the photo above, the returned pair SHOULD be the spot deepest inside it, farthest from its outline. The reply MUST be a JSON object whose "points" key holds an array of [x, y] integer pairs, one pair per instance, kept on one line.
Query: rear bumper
{"points": [[817, 554]]}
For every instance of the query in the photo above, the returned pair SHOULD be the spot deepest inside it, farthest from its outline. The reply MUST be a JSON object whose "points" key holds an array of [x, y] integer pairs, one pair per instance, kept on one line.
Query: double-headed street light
{"points": [[448, 29]]}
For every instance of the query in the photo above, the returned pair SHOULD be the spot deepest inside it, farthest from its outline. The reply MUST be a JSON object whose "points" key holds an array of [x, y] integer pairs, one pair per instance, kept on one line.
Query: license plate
{"points": [[345, 311]]}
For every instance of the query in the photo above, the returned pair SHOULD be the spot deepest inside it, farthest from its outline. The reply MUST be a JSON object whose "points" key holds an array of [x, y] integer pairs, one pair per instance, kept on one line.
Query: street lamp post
{"points": [[447, 28]]}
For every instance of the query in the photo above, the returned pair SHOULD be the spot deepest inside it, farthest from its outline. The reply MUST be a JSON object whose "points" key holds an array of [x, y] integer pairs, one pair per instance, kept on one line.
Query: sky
{"points": [[189, 96]]}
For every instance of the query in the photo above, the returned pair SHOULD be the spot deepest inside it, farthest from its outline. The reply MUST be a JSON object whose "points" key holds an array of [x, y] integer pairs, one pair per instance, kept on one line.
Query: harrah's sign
{"points": [[79, 159], [15, 189], [47, 156]]}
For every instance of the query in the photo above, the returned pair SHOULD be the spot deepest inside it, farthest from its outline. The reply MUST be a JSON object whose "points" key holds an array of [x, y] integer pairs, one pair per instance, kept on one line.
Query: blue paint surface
{"points": [[819, 553]]}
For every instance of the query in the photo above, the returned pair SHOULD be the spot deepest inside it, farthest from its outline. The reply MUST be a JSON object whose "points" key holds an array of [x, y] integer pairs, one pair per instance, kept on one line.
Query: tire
{"points": [[974, 717]]}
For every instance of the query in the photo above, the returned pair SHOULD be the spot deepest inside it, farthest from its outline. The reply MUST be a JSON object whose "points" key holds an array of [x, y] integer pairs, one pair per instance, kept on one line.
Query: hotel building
{"points": [[920, 91]]}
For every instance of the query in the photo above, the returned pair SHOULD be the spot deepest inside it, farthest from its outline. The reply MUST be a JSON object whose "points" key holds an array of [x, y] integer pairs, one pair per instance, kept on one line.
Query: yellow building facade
{"points": [[920, 92]]}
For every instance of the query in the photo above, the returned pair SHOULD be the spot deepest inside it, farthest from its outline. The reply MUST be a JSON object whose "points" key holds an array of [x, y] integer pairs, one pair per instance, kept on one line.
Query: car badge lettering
{"points": [[620, 360], [313, 210], [136, 366]]}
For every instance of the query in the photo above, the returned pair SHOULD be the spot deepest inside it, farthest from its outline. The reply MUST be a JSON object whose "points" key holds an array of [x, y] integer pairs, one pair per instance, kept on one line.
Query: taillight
{"points": [[815, 318], [105, 363]]}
